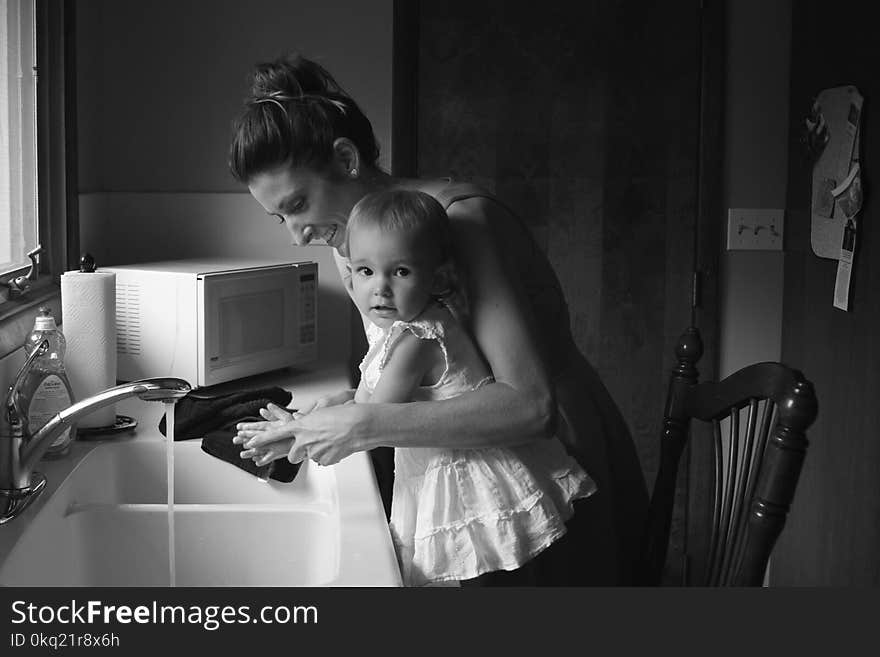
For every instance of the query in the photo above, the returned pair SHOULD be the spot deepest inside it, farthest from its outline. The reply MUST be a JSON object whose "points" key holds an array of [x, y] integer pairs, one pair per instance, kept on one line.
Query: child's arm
{"points": [[411, 359], [361, 395], [333, 399]]}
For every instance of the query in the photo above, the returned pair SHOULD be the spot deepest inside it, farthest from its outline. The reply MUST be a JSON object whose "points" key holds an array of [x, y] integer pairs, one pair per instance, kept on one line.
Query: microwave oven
{"points": [[213, 321]]}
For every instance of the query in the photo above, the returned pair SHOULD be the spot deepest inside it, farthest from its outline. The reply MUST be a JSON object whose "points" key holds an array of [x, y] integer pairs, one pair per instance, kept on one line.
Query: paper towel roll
{"points": [[88, 311]]}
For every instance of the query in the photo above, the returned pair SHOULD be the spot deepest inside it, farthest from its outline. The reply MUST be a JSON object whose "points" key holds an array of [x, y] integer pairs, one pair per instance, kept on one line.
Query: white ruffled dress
{"points": [[459, 513]]}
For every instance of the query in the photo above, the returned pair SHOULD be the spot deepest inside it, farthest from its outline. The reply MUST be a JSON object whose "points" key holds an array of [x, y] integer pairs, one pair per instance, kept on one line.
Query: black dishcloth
{"points": [[196, 415], [212, 418], [219, 443]]}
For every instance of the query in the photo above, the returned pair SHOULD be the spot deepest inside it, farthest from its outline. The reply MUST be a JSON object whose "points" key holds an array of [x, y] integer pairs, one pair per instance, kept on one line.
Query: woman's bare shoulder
{"points": [[432, 186], [481, 211], [465, 202], [445, 190]]}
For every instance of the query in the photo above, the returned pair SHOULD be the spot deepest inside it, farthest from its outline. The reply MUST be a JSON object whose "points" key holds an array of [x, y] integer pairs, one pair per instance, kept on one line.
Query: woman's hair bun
{"points": [[292, 75], [294, 114]]}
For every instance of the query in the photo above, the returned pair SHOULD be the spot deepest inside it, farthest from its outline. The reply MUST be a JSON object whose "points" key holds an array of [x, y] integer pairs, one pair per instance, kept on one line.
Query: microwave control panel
{"points": [[308, 308]]}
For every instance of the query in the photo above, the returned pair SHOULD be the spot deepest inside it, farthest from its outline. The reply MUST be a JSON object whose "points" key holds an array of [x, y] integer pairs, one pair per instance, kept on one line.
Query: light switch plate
{"points": [[754, 229]]}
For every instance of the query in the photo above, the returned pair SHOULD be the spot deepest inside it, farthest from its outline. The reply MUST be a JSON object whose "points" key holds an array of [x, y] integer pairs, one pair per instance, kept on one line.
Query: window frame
{"points": [[57, 188], [18, 19]]}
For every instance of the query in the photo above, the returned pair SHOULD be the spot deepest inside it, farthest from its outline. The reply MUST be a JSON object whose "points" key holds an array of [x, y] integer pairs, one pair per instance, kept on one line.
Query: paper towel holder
{"points": [[123, 422]]}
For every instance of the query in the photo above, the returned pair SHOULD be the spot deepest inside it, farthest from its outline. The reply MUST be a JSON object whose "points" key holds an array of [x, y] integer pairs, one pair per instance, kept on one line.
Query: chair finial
{"points": [[688, 351], [800, 406]]}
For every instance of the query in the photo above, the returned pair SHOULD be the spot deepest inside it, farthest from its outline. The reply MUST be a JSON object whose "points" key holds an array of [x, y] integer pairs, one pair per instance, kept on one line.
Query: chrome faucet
{"points": [[20, 451]]}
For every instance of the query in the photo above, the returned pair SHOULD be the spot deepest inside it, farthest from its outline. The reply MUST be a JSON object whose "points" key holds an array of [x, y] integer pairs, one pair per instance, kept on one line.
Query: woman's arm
{"points": [[502, 322]]}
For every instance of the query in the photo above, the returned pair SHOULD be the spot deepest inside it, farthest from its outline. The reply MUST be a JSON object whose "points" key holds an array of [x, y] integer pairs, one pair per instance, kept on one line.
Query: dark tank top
{"points": [[606, 532]]}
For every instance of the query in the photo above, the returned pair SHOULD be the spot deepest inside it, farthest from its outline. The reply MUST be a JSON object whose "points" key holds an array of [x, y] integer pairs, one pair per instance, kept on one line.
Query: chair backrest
{"points": [[759, 417]]}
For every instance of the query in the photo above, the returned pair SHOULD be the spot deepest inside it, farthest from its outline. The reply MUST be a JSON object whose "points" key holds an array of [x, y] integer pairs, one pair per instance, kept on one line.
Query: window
{"points": [[18, 141], [38, 199]]}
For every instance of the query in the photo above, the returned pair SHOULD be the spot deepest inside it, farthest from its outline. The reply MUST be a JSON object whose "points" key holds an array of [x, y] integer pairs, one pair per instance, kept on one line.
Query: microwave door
{"points": [[250, 322]]}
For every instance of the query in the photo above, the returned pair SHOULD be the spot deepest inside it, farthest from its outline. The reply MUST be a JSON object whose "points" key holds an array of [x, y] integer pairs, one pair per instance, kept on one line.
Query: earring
{"points": [[353, 173]]}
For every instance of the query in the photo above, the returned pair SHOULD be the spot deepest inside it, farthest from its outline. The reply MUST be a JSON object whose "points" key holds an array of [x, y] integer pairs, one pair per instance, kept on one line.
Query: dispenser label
{"points": [[50, 397]]}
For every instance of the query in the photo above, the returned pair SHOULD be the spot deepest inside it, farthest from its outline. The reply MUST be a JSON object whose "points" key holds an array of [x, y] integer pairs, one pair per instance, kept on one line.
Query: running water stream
{"points": [[169, 462]]}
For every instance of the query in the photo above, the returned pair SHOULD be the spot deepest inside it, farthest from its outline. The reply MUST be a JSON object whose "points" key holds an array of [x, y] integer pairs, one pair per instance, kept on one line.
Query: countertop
{"points": [[306, 387]]}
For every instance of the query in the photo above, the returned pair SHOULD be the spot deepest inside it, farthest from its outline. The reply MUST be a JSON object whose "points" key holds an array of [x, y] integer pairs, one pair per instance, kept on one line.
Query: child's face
{"points": [[392, 274]]}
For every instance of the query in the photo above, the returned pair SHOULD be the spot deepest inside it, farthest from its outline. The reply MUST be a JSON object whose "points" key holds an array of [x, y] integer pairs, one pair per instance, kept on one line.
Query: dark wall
{"points": [[586, 119], [833, 533]]}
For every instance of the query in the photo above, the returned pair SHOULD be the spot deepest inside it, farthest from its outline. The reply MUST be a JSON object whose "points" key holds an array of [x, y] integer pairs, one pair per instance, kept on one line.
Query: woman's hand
{"points": [[325, 435], [282, 434]]}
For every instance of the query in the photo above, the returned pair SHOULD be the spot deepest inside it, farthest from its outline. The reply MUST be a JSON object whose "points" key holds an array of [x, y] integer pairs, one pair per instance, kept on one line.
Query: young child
{"points": [[456, 513]]}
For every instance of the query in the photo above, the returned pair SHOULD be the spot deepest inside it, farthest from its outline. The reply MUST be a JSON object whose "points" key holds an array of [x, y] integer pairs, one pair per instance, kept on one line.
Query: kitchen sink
{"points": [[107, 524]]}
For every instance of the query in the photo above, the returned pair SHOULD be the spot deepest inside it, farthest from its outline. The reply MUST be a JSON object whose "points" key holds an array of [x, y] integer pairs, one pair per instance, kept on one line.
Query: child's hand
{"points": [[274, 416], [261, 457]]}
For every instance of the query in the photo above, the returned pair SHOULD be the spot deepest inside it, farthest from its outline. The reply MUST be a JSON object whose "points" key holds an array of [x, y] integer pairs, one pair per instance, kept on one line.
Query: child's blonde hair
{"points": [[407, 210]]}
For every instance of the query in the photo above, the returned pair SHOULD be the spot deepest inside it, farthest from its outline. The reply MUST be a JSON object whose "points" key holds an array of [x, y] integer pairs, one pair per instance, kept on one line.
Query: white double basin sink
{"points": [[107, 524]]}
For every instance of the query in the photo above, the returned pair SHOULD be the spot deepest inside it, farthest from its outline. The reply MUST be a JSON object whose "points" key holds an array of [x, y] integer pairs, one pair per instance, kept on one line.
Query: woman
{"points": [[307, 154]]}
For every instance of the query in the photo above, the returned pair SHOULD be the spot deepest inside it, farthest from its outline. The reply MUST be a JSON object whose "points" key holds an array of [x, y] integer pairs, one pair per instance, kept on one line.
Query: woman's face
{"points": [[314, 208]]}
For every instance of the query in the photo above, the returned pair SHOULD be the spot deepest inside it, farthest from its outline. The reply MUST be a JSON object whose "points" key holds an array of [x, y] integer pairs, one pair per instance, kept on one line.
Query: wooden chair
{"points": [[767, 408]]}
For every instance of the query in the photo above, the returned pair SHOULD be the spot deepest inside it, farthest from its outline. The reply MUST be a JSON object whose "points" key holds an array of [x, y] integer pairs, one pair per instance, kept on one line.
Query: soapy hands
{"points": [[317, 432], [276, 419]]}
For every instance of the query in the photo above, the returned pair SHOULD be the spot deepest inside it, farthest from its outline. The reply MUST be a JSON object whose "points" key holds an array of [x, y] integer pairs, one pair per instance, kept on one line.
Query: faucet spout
{"points": [[19, 452], [167, 390]]}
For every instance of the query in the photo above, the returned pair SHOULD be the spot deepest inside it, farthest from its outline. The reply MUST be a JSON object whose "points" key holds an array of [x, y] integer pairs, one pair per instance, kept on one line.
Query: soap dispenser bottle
{"points": [[47, 389]]}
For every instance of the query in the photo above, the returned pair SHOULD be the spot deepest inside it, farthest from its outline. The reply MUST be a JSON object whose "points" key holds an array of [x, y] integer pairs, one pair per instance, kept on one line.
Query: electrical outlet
{"points": [[754, 229]]}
